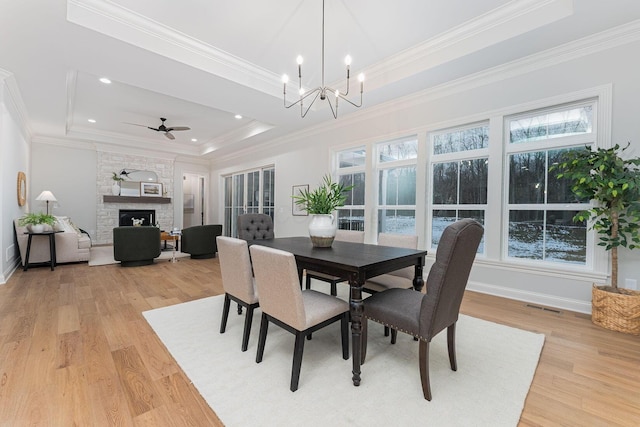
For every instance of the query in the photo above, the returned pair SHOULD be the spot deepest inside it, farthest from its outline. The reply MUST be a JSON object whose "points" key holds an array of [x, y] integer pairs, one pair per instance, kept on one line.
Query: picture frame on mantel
{"points": [[150, 189]]}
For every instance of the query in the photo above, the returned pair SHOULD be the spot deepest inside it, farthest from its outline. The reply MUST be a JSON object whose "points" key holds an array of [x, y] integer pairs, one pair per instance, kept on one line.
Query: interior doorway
{"points": [[193, 192]]}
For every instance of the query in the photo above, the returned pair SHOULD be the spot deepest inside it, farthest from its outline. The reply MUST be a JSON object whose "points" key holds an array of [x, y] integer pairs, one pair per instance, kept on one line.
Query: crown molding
{"points": [[14, 103], [126, 25], [505, 22], [251, 129]]}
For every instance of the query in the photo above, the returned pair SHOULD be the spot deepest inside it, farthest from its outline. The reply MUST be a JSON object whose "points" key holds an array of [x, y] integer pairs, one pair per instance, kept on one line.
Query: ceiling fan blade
{"points": [[135, 124], [178, 128], [168, 135]]}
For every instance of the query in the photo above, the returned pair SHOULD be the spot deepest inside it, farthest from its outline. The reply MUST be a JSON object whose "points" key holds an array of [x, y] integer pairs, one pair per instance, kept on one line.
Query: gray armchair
{"points": [[200, 240], [134, 246], [255, 227]]}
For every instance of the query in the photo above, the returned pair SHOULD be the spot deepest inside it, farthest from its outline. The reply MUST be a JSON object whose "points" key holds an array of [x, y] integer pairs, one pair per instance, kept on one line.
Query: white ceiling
{"points": [[199, 63]]}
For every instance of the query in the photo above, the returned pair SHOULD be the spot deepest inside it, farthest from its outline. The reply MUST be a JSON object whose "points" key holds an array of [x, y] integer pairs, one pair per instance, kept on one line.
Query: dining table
{"points": [[356, 262]]}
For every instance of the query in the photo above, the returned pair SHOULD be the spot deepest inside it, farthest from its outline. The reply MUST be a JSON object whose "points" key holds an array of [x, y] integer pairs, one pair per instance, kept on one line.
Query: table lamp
{"points": [[47, 196]]}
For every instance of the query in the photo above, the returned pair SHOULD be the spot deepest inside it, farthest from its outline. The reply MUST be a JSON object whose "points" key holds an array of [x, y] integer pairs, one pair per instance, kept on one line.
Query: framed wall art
{"points": [[297, 210]]}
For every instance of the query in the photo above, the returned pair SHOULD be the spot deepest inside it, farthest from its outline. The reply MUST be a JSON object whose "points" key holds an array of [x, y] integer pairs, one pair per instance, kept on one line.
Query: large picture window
{"points": [[396, 164], [351, 171], [459, 177], [540, 207]]}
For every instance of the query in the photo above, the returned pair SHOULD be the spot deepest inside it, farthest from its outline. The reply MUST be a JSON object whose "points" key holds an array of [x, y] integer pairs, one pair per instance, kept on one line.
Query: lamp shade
{"points": [[47, 196]]}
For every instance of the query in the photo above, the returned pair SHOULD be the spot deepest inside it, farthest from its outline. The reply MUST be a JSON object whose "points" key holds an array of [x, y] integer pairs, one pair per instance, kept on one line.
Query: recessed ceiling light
{"points": [[91, 120], [105, 80], [194, 140], [238, 116]]}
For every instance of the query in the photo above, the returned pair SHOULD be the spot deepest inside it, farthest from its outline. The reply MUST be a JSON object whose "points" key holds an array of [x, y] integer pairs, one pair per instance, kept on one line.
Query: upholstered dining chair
{"points": [[402, 278], [424, 316], [237, 281], [254, 226], [341, 236], [298, 311]]}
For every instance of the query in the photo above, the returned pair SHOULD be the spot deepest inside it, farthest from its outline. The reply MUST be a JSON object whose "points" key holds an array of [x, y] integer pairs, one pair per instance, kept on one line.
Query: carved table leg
{"points": [[418, 281], [356, 310]]}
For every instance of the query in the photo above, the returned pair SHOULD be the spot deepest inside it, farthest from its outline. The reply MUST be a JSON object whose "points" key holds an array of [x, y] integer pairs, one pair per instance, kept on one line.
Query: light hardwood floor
{"points": [[76, 351]]}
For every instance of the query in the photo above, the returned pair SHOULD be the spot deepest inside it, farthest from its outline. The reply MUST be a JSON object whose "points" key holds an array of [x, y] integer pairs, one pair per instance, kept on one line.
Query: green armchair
{"points": [[200, 240], [134, 246]]}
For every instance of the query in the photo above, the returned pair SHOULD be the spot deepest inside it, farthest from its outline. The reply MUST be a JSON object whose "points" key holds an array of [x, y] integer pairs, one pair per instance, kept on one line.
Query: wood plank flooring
{"points": [[76, 351]]}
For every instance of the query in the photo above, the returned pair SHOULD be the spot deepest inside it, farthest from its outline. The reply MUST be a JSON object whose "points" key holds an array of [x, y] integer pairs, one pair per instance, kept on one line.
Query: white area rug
{"points": [[103, 255], [496, 364]]}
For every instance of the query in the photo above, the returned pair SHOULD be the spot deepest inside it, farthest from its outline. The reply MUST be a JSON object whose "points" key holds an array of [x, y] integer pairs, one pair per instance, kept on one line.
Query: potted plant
{"points": [[613, 183], [35, 222], [115, 188], [320, 204]]}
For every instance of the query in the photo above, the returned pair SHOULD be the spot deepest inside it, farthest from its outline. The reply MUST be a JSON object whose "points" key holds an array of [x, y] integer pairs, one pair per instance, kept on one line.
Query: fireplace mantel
{"points": [[134, 199]]}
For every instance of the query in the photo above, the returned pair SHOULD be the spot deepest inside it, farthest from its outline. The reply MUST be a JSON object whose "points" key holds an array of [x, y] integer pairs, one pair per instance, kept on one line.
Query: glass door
{"points": [[248, 192]]}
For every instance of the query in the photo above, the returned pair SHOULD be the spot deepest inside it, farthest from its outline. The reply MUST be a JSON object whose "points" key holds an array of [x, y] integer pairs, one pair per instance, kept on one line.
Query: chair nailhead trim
{"points": [[397, 328]]}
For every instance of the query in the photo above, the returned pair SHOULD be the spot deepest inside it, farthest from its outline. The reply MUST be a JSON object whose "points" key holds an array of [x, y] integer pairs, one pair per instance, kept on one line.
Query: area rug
{"points": [[496, 365], [103, 255]]}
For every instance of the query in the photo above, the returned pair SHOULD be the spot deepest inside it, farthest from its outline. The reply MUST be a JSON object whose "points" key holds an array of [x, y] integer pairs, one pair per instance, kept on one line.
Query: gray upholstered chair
{"points": [[255, 226], [200, 240], [237, 281], [402, 278], [134, 246], [285, 304], [341, 236], [424, 316]]}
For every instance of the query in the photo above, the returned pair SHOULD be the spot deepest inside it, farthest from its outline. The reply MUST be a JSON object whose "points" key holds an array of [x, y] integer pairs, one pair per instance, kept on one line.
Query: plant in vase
{"points": [[36, 222], [320, 204], [613, 183], [115, 188]]}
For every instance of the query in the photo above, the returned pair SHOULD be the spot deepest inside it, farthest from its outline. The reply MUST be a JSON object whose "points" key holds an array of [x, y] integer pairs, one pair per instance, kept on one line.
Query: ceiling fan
{"points": [[162, 128]]}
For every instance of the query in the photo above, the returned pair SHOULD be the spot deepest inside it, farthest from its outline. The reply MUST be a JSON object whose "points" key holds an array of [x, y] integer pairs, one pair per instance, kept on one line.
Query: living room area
{"points": [[241, 137]]}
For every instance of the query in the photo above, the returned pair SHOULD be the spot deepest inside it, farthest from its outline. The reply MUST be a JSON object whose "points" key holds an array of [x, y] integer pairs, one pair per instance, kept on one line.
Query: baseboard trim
{"points": [[532, 297]]}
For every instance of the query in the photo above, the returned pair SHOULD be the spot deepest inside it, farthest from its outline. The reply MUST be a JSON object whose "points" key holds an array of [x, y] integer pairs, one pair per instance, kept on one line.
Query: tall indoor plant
{"points": [[613, 183], [320, 204]]}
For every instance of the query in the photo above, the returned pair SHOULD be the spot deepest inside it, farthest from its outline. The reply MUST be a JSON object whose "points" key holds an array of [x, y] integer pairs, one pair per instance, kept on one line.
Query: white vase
{"points": [[37, 228], [115, 189], [322, 230]]}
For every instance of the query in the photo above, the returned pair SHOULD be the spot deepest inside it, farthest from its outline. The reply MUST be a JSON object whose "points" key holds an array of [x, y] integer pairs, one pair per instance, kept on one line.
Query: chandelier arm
{"points": [[351, 102], [334, 112], [309, 107], [299, 101]]}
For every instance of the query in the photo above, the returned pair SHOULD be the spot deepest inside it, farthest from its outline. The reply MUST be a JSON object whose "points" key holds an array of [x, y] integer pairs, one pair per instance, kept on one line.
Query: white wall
{"points": [[70, 174], [14, 158], [305, 159]]}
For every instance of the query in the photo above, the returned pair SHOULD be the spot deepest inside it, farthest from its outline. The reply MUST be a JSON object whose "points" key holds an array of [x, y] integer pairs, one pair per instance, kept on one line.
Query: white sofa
{"points": [[72, 245]]}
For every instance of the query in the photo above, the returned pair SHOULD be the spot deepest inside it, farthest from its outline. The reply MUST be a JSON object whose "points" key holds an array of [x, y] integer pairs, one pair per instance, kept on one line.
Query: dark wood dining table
{"points": [[356, 262]]}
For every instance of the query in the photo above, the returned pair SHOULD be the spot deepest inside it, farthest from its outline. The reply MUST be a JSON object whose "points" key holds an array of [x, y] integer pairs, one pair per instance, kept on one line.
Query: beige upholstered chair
{"points": [[402, 278], [285, 304], [424, 316], [237, 281], [341, 236]]}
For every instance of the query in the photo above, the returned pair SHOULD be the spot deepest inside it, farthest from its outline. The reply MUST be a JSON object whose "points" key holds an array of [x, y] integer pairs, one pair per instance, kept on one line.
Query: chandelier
{"points": [[323, 92]]}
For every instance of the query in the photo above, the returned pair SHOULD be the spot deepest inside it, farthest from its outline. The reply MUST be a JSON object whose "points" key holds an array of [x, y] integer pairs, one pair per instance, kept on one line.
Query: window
{"points": [[248, 192], [351, 164], [396, 170], [459, 176], [541, 208]]}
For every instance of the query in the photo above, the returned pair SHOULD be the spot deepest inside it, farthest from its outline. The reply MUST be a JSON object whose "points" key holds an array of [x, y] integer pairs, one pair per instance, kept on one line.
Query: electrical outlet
{"points": [[631, 284]]}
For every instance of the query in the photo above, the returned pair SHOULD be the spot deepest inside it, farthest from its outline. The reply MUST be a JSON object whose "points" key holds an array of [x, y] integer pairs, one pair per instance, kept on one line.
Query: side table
{"points": [[52, 247]]}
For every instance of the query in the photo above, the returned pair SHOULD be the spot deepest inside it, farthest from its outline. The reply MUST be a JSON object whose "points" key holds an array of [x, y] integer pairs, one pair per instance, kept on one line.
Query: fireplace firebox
{"points": [[141, 217]]}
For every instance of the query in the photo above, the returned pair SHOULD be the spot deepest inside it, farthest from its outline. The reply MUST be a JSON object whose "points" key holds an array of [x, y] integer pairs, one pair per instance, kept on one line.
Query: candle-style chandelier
{"points": [[323, 92]]}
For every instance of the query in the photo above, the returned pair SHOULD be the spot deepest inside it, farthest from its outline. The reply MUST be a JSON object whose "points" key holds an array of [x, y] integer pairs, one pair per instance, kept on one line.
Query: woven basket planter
{"points": [[618, 311]]}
